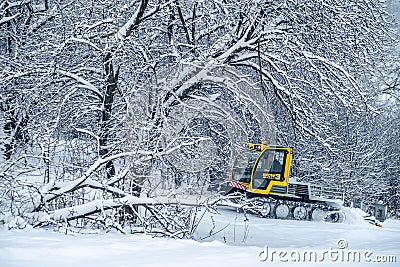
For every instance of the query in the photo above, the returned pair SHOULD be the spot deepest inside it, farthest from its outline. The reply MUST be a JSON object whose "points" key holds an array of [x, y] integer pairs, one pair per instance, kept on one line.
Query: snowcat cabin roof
{"points": [[263, 146]]}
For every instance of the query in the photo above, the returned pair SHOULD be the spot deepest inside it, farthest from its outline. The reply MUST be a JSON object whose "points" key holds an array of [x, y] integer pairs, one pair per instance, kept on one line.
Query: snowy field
{"points": [[236, 241]]}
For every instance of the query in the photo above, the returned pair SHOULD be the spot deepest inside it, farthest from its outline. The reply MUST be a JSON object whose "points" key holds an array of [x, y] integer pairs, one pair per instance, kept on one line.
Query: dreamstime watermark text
{"points": [[339, 254]]}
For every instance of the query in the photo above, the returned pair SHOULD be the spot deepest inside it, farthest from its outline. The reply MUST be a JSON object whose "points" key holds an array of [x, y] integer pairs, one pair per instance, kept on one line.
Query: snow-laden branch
{"points": [[280, 91], [264, 55], [270, 77], [88, 133], [177, 147], [94, 206], [7, 19], [310, 55], [84, 41], [119, 176], [73, 185], [44, 19], [221, 60], [96, 24], [160, 218], [132, 23], [97, 206], [83, 83]]}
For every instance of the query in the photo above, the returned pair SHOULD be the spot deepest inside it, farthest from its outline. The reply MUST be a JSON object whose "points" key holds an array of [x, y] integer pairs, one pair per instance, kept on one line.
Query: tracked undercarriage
{"points": [[269, 207]]}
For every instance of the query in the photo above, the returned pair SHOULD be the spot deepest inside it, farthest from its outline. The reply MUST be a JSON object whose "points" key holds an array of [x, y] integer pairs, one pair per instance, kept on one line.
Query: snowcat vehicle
{"points": [[260, 177]]}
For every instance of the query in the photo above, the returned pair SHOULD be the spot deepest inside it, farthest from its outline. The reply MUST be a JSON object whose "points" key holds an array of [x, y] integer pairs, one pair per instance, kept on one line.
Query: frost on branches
{"points": [[106, 106]]}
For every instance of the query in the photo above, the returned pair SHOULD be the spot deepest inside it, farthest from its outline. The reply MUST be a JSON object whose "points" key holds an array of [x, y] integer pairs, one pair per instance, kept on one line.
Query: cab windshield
{"points": [[244, 165]]}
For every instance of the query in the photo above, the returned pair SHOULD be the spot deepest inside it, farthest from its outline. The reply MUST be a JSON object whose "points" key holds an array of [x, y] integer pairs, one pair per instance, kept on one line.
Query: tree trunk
{"points": [[108, 100]]}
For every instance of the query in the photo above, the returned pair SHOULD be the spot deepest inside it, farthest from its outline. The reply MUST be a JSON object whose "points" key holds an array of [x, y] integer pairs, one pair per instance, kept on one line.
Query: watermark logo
{"points": [[339, 254], [342, 244]]}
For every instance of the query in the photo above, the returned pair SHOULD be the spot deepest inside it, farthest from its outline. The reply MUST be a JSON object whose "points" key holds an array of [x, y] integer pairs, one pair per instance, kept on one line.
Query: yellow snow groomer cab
{"points": [[262, 170]]}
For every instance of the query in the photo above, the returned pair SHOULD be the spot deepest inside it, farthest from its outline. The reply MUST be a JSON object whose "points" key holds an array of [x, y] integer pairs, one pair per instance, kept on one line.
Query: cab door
{"points": [[271, 172]]}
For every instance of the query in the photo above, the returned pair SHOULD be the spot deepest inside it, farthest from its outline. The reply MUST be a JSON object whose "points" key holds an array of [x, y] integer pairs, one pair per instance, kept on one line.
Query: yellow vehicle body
{"points": [[263, 169]]}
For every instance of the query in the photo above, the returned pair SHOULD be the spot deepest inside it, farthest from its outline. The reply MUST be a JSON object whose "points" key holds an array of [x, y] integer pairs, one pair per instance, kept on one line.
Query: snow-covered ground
{"points": [[236, 241]]}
